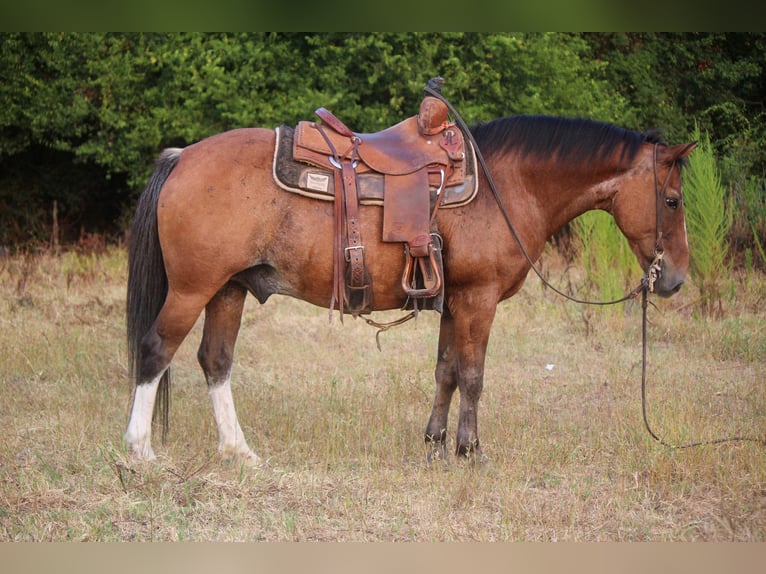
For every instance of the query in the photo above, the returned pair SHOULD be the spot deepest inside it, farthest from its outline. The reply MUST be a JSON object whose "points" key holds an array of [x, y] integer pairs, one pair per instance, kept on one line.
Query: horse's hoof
{"points": [[475, 460], [472, 455], [254, 461], [141, 454], [248, 459], [437, 453]]}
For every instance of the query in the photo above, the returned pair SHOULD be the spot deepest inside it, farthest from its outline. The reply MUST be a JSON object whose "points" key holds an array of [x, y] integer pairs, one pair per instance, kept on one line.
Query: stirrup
{"points": [[420, 255], [358, 300]]}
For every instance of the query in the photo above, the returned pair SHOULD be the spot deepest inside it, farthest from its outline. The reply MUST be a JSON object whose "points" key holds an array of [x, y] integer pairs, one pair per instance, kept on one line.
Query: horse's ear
{"points": [[681, 150]]}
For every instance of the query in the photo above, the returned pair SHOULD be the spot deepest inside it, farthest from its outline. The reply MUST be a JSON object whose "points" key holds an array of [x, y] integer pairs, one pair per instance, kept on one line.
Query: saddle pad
{"points": [[311, 179]]}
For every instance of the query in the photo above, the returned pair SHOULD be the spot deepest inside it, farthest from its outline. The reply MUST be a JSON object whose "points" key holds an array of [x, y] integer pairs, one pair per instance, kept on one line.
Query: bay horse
{"points": [[212, 225]]}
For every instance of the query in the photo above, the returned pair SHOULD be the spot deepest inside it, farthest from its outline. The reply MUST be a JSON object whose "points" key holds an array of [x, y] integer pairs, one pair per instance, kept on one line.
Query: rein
{"points": [[645, 286], [652, 274]]}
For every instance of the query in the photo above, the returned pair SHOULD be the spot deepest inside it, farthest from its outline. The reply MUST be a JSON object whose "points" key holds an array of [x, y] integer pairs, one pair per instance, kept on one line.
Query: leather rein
{"points": [[645, 286], [652, 273]]}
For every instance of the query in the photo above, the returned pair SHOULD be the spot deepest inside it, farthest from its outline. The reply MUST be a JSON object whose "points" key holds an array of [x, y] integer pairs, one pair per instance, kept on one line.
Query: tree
{"points": [[84, 115]]}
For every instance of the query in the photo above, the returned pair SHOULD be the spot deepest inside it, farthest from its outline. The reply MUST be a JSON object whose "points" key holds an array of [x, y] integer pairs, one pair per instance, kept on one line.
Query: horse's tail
{"points": [[147, 279]]}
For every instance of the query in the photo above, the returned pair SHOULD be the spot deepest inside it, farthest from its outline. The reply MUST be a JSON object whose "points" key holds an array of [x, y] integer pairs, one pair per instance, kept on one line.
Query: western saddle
{"points": [[418, 158]]}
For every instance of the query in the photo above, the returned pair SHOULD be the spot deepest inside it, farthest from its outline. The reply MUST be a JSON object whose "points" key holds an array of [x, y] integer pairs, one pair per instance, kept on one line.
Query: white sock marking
{"points": [[139, 433], [231, 439]]}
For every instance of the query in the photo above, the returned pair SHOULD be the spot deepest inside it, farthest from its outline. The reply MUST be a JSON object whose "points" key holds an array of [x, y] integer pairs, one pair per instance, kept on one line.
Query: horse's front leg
{"points": [[446, 383], [473, 321], [463, 342], [471, 382]]}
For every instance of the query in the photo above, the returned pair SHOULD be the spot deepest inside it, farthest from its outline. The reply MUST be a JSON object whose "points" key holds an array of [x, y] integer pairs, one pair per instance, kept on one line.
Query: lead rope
{"points": [[644, 301], [467, 132], [645, 287]]}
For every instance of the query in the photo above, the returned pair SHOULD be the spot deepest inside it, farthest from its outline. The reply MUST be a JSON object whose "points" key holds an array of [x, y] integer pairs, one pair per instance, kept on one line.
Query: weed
{"points": [[709, 220]]}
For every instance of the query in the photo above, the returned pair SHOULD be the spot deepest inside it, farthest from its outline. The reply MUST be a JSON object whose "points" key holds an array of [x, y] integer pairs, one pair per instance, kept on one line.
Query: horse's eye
{"points": [[671, 202]]}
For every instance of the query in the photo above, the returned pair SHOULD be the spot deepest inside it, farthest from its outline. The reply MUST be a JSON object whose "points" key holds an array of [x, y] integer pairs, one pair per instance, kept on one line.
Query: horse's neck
{"points": [[564, 197]]}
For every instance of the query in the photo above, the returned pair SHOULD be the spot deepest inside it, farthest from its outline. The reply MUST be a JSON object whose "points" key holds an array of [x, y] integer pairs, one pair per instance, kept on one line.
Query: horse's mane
{"points": [[569, 140]]}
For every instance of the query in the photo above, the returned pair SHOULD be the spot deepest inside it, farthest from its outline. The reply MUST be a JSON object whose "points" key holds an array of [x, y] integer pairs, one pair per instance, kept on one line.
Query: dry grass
{"points": [[341, 423]]}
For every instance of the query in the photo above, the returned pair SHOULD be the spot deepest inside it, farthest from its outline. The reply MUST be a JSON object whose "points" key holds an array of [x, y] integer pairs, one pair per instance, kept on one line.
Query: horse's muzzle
{"points": [[668, 283], [667, 292]]}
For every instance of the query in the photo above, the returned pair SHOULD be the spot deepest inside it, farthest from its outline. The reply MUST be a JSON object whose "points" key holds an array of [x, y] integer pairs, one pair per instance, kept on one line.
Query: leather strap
{"points": [[338, 265], [354, 251], [660, 201], [338, 280], [347, 232], [327, 117]]}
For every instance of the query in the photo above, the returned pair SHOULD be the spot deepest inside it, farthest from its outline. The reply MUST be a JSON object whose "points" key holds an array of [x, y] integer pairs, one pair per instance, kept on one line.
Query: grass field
{"points": [[340, 423]]}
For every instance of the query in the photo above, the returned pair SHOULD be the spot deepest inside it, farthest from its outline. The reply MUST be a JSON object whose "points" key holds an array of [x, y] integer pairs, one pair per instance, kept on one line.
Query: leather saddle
{"points": [[417, 160]]}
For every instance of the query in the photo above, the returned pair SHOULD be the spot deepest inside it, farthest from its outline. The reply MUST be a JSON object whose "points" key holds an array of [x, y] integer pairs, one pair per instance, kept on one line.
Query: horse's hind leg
{"points": [[175, 320], [223, 315]]}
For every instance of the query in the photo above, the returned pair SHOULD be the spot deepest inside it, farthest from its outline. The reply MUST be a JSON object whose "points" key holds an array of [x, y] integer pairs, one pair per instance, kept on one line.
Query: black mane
{"points": [[570, 140]]}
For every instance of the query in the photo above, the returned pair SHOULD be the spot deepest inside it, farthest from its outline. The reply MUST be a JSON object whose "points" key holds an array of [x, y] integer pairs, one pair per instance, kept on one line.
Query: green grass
{"points": [[341, 423]]}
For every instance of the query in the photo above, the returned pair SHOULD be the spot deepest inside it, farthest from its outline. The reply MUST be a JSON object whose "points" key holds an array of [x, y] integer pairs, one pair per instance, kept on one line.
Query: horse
{"points": [[212, 226]]}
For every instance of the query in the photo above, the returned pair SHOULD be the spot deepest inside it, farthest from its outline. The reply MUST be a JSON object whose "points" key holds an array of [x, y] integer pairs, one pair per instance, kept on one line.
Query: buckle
{"points": [[655, 270], [347, 254], [335, 163]]}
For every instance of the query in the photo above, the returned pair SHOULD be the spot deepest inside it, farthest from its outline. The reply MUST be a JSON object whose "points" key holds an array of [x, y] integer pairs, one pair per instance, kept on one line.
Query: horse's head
{"points": [[649, 210]]}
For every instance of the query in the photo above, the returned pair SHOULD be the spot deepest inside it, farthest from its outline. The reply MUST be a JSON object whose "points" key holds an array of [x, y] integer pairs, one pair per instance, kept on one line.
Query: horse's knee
{"points": [[444, 374], [471, 384]]}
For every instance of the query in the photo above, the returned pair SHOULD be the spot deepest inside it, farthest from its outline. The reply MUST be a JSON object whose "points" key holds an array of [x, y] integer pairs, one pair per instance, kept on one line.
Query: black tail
{"points": [[147, 280]]}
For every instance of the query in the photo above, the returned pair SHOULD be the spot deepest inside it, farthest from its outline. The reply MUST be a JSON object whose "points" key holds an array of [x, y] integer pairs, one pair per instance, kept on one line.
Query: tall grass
{"points": [[341, 424], [609, 264], [709, 219]]}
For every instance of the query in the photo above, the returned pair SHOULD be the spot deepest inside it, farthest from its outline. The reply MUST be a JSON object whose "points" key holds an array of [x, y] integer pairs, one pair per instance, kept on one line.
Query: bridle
{"points": [[655, 268], [646, 286]]}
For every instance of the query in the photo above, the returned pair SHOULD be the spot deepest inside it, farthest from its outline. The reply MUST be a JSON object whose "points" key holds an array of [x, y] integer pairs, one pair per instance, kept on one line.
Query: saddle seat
{"points": [[398, 150]]}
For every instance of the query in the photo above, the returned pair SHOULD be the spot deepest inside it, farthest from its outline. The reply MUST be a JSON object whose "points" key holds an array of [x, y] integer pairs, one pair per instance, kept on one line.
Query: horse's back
{"points": [[220, 213]]}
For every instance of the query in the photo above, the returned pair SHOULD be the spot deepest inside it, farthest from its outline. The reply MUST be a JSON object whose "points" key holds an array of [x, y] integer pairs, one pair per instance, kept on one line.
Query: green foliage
{"points": [[709, 219], [749, 229], [116, 98], [96, 108], [605, 255], [678, 79], [755, 211]]}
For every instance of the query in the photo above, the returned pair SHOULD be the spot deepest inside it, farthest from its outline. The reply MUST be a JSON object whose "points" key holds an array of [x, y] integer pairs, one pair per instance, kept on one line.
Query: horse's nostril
{"points": [[668, 291]]}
